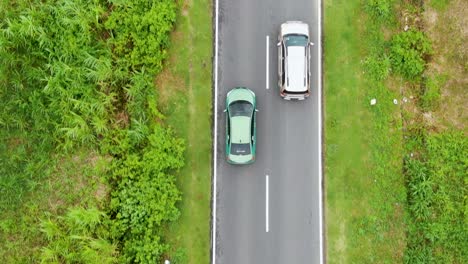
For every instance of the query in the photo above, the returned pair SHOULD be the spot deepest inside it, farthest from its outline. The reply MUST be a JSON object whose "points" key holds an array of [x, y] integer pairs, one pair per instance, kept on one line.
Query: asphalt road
{"points": [[282, 226]]}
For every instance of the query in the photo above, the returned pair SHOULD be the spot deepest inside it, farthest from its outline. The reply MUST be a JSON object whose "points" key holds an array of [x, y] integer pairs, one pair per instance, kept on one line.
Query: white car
{"points": [[294, 60]]}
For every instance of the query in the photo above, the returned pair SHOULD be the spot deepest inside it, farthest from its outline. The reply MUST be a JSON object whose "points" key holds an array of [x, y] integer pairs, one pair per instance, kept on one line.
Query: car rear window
{"points": [[241, 108], [240, 149]]}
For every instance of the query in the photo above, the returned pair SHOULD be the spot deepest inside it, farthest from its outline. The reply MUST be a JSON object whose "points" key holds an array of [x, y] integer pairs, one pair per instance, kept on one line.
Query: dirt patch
{"points": [[14, 142], [341, 243], [167, 83], [448, 31], [101, 192]]}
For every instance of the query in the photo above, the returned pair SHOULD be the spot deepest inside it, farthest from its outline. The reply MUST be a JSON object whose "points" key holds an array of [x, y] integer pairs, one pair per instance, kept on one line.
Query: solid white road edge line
{"points": [[215, 137], [267, 223], [320, 125], [267, 60]]}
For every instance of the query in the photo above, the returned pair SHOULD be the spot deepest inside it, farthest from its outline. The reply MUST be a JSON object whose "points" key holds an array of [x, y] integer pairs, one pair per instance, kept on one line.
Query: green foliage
{"points": [[408, 53], [179, 257], [78, 237], [377, 66], [431, 92], [145, 195], [53, 65], [379, 9], [80, 73], [140, 31], [437, 201]]}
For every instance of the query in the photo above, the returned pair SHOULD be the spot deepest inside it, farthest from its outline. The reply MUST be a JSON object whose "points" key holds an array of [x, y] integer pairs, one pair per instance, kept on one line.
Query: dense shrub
{"points": [[145, 195], [379, 9], [52, 72], [80, 73], [140, 31], [52, 66], [408, 53]]}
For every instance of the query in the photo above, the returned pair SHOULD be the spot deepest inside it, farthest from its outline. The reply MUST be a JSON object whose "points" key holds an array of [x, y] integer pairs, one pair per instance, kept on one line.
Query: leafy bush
{"points": [[379, 9], [145, 195], [408, 52], [140, 31]]}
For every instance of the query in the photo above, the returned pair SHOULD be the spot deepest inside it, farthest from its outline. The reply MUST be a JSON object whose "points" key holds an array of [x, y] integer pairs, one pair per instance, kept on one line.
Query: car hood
{"points": [[240, 95], [295, 27]]}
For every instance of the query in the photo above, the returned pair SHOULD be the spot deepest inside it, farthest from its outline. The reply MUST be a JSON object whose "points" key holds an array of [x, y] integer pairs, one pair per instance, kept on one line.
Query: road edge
{"points": [[322, 190], [215, 133]]}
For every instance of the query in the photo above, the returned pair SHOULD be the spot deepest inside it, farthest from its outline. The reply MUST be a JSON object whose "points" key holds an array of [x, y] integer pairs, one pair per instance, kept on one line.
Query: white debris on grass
{"points": [[405, 99], [395, 101], [373, 101]]}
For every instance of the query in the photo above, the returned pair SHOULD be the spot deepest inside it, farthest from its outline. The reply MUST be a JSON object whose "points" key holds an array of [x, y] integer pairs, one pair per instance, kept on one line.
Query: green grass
{"points": [[365, 192], [185, 99], [440, 5], [73, 180]]}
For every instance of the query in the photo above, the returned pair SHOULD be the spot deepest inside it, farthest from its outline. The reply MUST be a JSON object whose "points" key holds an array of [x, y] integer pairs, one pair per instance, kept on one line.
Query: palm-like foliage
{"points": [[75, 238]]}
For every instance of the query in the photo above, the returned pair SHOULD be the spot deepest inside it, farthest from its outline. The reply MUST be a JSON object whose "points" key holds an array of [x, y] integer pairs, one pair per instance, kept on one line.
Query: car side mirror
{"points": [[311, 44], [256, 110], [225, 110], [278, 44]]}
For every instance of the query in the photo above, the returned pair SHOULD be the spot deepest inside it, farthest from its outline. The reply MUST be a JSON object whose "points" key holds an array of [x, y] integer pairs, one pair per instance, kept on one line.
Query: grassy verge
{"points": [[365, 187], [184, 89]]}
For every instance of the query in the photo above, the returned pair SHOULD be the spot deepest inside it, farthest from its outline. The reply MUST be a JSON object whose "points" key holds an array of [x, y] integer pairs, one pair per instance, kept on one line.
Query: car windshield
{"points": [[240, 149], [240, 108], [296, 40]]}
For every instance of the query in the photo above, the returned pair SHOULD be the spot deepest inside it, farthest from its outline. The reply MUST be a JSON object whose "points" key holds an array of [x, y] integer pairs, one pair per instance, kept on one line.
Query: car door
{"points": [[254, 130], [228, 131], [280, 63]]}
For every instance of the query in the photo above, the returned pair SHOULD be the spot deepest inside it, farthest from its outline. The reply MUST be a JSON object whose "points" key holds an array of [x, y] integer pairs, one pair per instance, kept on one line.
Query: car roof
{"points": [[296, 69], [240, 129]]}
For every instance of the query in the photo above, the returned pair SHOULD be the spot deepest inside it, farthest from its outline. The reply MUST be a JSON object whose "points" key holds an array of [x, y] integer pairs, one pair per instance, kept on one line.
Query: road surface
{"points": [[270, 211]]}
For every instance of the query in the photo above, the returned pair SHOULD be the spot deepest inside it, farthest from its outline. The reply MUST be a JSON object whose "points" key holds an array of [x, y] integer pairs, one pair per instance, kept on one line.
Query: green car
{"points": [[241, 111]]}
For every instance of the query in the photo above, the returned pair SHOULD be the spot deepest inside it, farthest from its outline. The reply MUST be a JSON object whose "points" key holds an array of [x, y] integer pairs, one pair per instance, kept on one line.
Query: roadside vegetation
{"points": [[89, 165], [406, 158], [185, 98]]}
